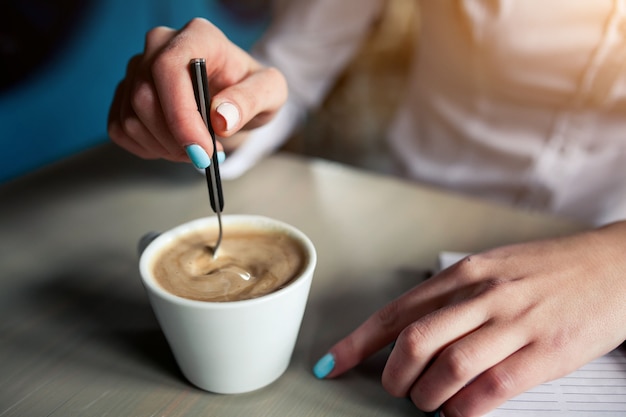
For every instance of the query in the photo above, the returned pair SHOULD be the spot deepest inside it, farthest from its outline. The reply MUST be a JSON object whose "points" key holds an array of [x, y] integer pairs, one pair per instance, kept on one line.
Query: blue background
{"points": [[63, 109]]}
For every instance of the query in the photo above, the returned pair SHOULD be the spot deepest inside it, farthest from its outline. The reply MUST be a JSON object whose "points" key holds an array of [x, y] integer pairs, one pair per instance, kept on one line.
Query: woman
{"points": [[520, 102]]}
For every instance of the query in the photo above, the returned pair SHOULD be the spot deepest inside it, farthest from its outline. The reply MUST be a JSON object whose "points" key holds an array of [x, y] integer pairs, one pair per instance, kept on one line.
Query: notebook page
{"points": [[596, 389]]}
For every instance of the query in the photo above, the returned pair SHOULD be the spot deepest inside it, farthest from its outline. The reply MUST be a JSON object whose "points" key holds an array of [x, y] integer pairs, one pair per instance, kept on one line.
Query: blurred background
{"points": [[60, 61]]}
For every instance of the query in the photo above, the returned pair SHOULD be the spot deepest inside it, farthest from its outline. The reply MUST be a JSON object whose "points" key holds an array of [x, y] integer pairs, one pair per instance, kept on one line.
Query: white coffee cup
{"points": [[235, 346]]}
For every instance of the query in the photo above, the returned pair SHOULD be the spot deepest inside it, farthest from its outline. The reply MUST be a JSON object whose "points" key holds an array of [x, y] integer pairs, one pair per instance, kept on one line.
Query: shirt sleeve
{"points": [[310, 42]]}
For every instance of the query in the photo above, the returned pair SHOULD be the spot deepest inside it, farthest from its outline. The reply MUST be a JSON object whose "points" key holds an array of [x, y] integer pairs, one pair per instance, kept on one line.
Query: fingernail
{"points": [[439, 414], [221, 156], [230, 113], [324, 366], [198, 156]]}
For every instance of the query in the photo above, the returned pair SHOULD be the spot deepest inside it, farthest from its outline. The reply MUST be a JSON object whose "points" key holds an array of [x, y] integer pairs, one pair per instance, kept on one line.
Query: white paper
{"points": [[597, 389]]}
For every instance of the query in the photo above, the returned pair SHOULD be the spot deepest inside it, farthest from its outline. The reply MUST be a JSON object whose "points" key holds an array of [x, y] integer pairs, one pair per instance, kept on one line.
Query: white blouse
{"points": [[521, 102]]}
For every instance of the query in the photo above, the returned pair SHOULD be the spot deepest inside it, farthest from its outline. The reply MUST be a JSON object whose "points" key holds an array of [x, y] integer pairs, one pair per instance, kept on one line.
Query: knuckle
{"points": [[471, 267], [389, 315], [458, 363], [143, 96], [425, 395], [196, 28], [389, 381], [203, 28], [414, 341], [154, 36], [197, 21], [115, 132], [499, 383], [275, 74], [131, 126], [171, 52], [422, 403]]}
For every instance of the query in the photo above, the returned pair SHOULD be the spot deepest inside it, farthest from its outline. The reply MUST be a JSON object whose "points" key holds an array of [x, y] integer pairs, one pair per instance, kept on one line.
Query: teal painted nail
{"points": [[324, 366], [221, 157], [198, 156]]}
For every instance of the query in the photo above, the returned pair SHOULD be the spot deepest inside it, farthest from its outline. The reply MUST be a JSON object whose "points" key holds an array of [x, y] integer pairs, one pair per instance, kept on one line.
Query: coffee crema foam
{"points": [[250, 263]]}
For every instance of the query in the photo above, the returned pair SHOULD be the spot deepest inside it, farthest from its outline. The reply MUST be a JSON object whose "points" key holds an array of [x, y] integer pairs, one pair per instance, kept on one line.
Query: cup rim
{"points": [[147, 256]]}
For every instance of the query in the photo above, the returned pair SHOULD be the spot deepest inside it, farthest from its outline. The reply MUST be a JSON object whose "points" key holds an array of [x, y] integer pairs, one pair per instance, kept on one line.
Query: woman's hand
{"points": [[154, 112], [498, 323]]}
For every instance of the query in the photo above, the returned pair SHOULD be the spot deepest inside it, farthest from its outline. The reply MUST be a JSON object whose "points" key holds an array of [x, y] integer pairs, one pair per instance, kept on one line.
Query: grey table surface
{"points": [[78, 337]]}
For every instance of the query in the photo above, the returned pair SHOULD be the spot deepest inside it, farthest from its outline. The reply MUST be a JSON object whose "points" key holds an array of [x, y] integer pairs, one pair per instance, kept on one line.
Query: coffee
{"points": [[230, 347], [251, 262]]}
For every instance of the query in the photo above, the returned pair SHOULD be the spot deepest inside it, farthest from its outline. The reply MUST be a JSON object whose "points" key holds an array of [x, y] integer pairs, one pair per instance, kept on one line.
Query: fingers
{"points": [[495, 324], [125, 127], [135, 118], [509, 378], [419, 344], [154, 112], [383, 327], [228, 68], [444, 333], [375, 333], [117, 133], [441, 351], [459, 363]]}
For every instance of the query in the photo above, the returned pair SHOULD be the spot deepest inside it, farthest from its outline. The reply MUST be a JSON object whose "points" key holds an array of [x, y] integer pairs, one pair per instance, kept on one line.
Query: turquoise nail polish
{"points": [[221, 157], [324, 366], [198, 156]]}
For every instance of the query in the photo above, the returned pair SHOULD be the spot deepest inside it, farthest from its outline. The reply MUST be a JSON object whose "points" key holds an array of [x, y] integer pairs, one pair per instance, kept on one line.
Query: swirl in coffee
{"points": [[250, 263]]}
